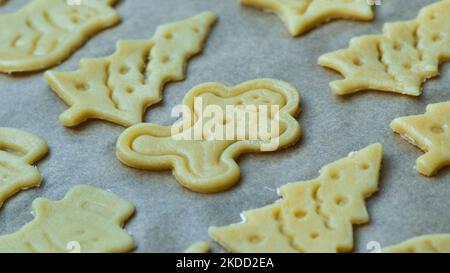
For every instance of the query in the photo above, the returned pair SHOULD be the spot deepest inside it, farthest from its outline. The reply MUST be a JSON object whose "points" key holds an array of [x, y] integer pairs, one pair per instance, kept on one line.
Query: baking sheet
{"points": [[245, 44]]}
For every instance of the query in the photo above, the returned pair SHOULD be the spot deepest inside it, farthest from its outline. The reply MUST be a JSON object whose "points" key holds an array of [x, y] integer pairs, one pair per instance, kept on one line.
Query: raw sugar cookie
{"points": [[312, 216], [431, 133], [301, 16], [46, 32], [198, 247], [220, 124], [18, 151], [437, 243], [86, 220], [400, 60], [119, 88]]}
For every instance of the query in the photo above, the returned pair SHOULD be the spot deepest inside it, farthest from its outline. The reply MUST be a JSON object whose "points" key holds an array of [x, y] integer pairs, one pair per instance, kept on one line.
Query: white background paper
{"points": [[245, 44]]}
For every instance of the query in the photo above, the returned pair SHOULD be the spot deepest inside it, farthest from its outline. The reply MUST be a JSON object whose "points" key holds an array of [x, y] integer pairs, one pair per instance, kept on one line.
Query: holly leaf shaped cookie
{"points": [[46, 32]]}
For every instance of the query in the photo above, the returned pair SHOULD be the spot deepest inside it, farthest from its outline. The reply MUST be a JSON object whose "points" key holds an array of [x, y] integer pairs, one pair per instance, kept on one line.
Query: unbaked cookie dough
{"points": [[18, 151], [120, 87], [400, 60], [86, 220], [301, 16], [437, 243], [46, 32], [312, 216], [198, 247], [431, 133], [199, 161]]}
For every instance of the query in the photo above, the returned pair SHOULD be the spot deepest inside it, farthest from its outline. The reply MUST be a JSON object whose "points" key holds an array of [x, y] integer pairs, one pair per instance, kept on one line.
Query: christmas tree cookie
{"points": [[400, 60], [89, 218], [18, 151], [312, 216], [46, 32], [120, 87], [218, 125], [301, 16], [438, 243], [431, 133]]}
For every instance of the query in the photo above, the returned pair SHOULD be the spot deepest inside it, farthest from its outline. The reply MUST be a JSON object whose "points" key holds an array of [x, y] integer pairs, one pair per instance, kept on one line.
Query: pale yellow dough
{"points": [[18, 151], [120, 87], [400, 60], [437, 243], [312, 216], [431, 133], [46, 32], [204, 165], [87, 218], [198, 247], [301, 16]]}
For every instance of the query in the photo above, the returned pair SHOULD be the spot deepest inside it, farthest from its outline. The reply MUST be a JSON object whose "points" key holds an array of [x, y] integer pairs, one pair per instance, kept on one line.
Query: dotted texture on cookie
{"points": [[437, 243], [46, 32], [301, 16], [201, 160], [87, 216], [431, 133], [120, 87], [18, 151], [400, 60], [312, 216]]}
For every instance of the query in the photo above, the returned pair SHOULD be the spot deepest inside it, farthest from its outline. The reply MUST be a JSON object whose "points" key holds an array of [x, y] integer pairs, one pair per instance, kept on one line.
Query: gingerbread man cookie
{"points": [[256, 116]]}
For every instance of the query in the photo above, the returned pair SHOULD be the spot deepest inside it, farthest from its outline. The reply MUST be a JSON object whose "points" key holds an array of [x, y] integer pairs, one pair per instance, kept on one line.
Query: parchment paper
{"points": [[245, 44]]}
